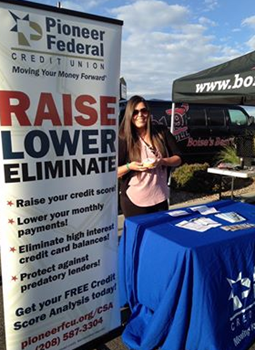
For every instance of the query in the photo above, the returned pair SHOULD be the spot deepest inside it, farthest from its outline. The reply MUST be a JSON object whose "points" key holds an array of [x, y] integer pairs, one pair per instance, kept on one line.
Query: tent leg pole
{"points": [[172, 131]]}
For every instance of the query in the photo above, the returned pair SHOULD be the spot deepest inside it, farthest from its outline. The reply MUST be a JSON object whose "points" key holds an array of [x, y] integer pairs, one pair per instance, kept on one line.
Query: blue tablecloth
{"points": [[188, 290]]}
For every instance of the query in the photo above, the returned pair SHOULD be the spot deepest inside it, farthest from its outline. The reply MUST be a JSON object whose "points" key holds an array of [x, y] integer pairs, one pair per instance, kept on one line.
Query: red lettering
{"points": [[68, 115], [105, 110], [16, 103], [47, 110], [87, 110]]}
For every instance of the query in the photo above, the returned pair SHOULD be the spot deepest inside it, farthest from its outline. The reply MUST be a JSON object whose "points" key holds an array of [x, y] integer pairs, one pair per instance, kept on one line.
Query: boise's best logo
{"points": [[26, 30]]}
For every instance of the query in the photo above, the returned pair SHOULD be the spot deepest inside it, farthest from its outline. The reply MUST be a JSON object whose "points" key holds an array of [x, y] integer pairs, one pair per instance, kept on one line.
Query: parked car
{"points": [[201, 130]]}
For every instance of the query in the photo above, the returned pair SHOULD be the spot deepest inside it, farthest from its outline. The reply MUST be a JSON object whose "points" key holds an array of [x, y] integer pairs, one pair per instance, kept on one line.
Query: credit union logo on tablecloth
{"points": [[242, 299], [240, 289]]}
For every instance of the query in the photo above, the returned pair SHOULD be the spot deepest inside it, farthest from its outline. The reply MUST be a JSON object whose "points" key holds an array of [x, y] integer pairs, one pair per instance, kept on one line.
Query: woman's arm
{"points": [[174, 158], [126, 168], [123, 170], [173, 161]]}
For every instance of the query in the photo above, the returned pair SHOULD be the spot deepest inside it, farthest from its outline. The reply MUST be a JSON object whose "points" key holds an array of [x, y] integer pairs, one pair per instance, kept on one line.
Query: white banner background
{"points": [[58, 203]]}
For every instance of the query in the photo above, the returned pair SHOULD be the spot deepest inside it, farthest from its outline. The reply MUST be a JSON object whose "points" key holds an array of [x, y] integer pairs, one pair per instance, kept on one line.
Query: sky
{"points": [[165, 40]]}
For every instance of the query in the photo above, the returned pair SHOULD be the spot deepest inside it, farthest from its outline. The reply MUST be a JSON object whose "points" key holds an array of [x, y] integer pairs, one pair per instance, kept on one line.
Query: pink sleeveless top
{"points": [[149, 187]]}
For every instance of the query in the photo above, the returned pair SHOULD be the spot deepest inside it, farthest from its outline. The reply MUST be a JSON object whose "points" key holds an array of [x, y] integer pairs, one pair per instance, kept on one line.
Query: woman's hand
{"points": [[159, 162], [137, 166], [126, 168]]}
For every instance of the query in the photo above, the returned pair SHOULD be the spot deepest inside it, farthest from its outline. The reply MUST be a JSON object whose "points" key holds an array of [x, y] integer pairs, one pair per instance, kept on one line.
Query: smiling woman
{"points": [[143, 183]]}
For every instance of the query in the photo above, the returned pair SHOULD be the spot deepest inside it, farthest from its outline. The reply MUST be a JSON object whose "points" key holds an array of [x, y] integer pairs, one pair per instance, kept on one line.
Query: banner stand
{"points": [[59, 106]]}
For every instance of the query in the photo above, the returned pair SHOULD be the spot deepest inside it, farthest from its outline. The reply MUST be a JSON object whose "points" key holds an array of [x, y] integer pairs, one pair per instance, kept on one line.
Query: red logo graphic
{"points": [[179, 123]]}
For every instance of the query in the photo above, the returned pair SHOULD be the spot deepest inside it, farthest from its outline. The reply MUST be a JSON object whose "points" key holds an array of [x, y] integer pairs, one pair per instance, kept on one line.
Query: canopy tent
{"points": [[232, 82]]}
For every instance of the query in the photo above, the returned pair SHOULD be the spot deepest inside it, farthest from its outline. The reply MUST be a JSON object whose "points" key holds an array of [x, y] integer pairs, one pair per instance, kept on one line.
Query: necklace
{"points": [[152, 149]]}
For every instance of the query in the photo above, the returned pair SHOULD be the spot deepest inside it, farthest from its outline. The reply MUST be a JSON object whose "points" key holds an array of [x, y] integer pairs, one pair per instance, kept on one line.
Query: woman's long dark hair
{"points": [[127, 131]]}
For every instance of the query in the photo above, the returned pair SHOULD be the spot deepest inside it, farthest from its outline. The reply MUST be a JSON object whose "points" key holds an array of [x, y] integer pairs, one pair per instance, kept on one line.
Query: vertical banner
{"points": [[59, 90]]}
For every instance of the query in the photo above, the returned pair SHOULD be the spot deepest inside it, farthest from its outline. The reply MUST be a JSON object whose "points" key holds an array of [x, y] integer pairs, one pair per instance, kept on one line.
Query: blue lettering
{"points": [[44, 144], [59, 145], [7, 147]]}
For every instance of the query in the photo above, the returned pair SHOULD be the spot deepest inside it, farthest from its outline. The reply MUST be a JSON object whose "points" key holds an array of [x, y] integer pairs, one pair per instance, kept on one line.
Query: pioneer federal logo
{"points": [[26, 30], [61, 37]]}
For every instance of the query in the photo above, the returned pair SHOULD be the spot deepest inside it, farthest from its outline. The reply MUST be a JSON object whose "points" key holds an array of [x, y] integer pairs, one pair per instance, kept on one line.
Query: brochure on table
{"points": [[203, 223]]}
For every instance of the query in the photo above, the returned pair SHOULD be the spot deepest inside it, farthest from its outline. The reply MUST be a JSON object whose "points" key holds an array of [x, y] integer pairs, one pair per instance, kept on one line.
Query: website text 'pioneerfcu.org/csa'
{"points": [[225, 84]]}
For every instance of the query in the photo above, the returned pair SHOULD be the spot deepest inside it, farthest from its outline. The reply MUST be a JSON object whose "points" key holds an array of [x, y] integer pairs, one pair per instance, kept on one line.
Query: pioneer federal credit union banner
{"points": [[59, 86]]}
